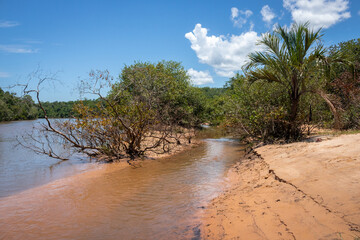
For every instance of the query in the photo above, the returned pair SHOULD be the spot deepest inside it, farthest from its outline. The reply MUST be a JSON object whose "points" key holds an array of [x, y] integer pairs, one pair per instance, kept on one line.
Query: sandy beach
{"points": [[304, 190]]}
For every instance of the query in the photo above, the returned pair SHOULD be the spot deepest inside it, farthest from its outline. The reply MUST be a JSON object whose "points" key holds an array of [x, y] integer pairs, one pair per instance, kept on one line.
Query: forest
{"points": [[14, 108], [294, 85]]}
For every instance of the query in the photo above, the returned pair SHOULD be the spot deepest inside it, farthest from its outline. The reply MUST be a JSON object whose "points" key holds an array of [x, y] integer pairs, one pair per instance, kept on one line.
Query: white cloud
{"points": [[8, 24], [224, 54], [320, 13], [4, 75], [267, 14], [227, 74], [200, 77], [234, 12], [239, 17], [17, 49]]}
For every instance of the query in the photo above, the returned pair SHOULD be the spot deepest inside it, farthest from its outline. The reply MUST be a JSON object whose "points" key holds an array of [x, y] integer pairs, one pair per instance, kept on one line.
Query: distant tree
{"points": [[64, 109], [211, 93], [16, 108]]}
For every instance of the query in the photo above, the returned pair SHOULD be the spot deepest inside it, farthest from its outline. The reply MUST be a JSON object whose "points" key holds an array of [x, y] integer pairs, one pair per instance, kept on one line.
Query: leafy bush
{"points": [[151, 107]]}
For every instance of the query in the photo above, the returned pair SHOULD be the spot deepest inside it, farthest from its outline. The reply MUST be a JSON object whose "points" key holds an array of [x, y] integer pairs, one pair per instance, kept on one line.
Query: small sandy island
{"points": [[305, 190]]}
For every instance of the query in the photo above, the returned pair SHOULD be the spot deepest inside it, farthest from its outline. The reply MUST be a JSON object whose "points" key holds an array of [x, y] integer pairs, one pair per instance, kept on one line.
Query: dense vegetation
{"points": [[281, 98], [151, 107], [63, 109], [344, 83], [260, 106], [16, 108], [292, 86]]}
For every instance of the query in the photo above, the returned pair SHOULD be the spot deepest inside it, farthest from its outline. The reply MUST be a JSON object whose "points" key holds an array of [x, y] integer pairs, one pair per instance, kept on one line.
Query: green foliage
{"points": [[213, 104], [215, 109], [344, 82], [166, 89], [63, 109], [292, 84], [151, 107], [349, 50], [255, 109], [212, 93], [16, 108], [290, 59]]}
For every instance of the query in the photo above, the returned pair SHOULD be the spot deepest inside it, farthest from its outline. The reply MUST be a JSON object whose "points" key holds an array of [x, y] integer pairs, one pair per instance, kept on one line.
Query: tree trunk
{"points": [[294, 109], [294, 99], [293, 132], [337, 120]]}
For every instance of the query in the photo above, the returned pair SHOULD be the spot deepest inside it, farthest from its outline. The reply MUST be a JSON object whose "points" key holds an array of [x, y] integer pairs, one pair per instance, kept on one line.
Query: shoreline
{"points": [[84, 205], [152, 156], [303, 190], [106, 167]]}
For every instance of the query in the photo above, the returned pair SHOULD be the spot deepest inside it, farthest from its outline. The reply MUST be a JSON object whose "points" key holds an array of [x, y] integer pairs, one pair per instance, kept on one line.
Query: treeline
{"points": [[294, 85], [286, 91], [63, 109], [14, 108], [66, 109]]}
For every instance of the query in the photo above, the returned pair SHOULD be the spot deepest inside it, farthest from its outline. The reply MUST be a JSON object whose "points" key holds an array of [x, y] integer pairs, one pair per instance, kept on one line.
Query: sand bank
{"points": [[306, 190]]}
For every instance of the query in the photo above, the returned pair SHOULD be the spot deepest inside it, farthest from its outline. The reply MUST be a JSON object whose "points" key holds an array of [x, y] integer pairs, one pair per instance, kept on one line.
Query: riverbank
{"points": [[305, 190], [159, 200], [174, 150]]}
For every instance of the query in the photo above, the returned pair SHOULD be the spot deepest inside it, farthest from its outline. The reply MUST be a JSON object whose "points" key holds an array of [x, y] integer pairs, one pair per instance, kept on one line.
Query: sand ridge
{"points": [[306, 190]]}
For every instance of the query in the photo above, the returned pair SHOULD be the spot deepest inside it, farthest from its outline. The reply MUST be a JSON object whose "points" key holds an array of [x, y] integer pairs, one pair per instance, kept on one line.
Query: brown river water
{"points": [[163, 199]]}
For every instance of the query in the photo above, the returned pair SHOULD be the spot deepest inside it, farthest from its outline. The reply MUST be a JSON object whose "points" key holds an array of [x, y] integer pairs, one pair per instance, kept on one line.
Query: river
{"points": [[162, 199]]}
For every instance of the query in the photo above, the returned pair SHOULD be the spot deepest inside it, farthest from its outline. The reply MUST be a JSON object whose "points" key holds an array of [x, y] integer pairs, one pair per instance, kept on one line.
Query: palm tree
{"points": [[290, 57]]}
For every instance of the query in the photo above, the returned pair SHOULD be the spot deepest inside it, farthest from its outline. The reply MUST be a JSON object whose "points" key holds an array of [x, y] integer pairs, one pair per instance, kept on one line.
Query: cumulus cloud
{"points": [[17, 49], [320, 13], [267, 14], [8, 24], [225, 54], [239, 17], [4, 75], [200, 77]]}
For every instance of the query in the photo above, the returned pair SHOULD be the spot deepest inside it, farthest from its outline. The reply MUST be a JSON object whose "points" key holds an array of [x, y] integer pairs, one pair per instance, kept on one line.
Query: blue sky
{"points": [[211, 38]]}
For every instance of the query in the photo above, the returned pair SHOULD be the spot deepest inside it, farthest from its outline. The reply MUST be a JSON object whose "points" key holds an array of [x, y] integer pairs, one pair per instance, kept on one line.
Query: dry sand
{"points": [[306, 190]]}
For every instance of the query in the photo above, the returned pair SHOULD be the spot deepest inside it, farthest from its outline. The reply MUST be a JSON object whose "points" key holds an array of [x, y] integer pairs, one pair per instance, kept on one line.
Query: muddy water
{"points": [[160, 200], [21, 169]]}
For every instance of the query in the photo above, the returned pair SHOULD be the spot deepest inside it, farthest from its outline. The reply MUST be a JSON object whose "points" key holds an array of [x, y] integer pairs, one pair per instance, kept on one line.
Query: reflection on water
{"points": [[21, 169], [160, 200]]}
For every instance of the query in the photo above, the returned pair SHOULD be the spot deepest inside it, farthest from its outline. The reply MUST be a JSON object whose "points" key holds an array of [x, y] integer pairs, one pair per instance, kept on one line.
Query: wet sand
{"points": [[306, 190]]}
